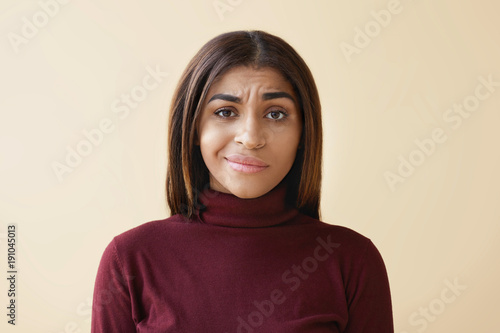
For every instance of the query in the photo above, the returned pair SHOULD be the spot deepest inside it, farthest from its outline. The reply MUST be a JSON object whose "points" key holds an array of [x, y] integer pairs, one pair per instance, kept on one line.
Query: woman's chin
{"points": [[249, 191]]}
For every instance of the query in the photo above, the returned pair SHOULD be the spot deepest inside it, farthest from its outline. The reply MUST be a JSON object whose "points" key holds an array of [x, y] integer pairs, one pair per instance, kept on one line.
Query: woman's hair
{"points": [[187, 174]]}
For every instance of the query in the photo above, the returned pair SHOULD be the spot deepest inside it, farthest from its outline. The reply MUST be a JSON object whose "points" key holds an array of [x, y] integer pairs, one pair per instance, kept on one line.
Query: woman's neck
{"points": [[224, 209]]}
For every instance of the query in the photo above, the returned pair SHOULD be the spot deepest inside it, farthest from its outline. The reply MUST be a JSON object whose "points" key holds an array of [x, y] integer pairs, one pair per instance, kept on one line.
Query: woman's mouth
{"points": [[246, 164]]}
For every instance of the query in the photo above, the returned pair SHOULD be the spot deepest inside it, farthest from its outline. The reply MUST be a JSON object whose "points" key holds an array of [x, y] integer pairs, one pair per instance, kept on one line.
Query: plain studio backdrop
{"points": [[410, 92]]}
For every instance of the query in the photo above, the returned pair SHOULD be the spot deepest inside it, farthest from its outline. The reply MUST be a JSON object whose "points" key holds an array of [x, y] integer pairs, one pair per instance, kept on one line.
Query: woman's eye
{"points": [[276, 115], [225, 113]]}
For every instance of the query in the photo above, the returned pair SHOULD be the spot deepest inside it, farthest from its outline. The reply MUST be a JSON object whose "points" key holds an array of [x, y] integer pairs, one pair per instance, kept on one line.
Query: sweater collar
{"points": [[225, 209]]}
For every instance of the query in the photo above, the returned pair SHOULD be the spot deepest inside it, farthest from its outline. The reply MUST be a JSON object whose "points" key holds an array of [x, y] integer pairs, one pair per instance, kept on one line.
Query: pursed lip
{"points": [[246, 160]]}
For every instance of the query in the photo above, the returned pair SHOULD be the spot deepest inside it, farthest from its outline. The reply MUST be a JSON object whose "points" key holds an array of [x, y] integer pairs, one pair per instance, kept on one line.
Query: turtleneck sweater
{"points": [[243, 266]]}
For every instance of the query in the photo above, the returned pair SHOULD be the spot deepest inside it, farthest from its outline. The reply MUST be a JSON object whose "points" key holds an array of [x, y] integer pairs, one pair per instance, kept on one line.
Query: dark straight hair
{"points": [[187, 174]]}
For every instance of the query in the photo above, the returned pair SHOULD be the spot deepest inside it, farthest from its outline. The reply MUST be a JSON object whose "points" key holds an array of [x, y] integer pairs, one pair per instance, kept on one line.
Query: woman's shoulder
{"points": [[336, 230], [347, 240], [353, 250]]}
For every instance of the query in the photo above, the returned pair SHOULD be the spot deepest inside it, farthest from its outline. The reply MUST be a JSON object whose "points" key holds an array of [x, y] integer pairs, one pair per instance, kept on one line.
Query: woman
{"points": [[244, 249]]}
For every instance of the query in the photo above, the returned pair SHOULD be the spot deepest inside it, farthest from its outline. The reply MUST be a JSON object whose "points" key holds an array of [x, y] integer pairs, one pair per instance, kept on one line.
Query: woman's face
{"points": [[249, 131]]}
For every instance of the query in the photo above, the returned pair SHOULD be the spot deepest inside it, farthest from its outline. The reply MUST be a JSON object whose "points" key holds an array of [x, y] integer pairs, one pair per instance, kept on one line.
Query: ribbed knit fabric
{"points": [[241, 265]]}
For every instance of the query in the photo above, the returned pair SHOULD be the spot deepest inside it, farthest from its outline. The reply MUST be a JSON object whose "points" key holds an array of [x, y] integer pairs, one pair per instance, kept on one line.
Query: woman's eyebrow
{"points": [[265, 97], [279, 94], [225, 97]]}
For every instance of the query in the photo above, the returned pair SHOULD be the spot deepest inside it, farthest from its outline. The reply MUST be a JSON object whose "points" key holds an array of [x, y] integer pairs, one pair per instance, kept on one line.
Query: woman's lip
{"points": [[246, 160], [247, 168], [246, 164]]}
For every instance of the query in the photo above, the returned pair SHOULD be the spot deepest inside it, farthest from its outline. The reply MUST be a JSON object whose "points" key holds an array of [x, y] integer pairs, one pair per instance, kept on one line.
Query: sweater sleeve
{"points": [[111, 305], [368, 295]]}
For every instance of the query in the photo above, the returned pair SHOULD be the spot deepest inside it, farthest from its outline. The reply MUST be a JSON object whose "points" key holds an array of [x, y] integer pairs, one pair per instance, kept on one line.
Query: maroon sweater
{"points": [[242, 265]]}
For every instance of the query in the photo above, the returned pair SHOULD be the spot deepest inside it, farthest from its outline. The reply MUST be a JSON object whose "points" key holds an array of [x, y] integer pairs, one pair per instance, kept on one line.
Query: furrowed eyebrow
{"points": [[225, 97], [265, 97], [279, 94]]}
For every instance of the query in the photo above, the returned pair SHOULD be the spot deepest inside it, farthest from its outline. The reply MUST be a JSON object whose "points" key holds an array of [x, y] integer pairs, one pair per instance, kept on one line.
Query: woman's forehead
{"points": [[242, 78]]}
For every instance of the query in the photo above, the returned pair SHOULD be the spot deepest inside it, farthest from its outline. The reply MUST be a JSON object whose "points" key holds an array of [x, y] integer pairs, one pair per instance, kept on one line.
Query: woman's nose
{"points": [[251, 133]]}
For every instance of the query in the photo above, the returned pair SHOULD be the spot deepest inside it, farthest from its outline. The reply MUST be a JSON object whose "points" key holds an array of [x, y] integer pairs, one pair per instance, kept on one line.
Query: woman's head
{"points": [[249, 131], [245, 94]]}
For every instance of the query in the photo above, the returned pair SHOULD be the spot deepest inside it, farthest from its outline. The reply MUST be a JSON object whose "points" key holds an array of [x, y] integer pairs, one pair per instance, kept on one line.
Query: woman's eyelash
{"points": [[231, 112], [284, 113], [223, 110]]}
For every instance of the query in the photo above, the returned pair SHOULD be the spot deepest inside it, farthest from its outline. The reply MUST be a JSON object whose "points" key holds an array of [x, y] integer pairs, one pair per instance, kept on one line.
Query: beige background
{"points": [[442, 223]]}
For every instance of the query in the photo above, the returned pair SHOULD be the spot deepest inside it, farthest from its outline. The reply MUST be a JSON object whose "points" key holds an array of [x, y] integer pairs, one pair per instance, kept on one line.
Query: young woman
{"points": [[244, 249]]}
